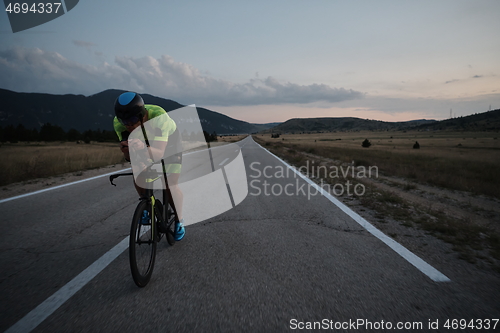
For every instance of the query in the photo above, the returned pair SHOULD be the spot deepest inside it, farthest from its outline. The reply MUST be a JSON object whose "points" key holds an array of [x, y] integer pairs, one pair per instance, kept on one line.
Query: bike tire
{"points": [[142, 246]]}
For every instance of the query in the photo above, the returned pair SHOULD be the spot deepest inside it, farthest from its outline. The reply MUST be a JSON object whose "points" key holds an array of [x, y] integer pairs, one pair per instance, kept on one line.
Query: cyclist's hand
{"points": [[136, 144], [124, 147]]}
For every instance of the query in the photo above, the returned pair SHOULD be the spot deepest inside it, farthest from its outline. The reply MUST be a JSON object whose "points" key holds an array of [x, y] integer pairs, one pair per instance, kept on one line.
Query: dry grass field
{"points": [[27, 161], [448, 189], [455, 160], [23, 161], [231, 138]]}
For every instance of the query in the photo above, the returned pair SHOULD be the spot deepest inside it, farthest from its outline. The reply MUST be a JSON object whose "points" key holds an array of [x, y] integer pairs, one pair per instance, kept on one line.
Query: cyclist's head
{"points": [[129, 108]]}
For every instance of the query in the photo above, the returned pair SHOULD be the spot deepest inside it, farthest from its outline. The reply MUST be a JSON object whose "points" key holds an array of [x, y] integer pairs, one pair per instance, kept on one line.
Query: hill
{"points": [[486, 121], [82, 113], [263, 127], [342, 124]]}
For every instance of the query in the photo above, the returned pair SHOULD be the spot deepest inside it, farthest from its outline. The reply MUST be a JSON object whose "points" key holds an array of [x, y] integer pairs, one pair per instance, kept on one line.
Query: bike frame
{"points": [[149, 193], [159, 221], [150, 197]]}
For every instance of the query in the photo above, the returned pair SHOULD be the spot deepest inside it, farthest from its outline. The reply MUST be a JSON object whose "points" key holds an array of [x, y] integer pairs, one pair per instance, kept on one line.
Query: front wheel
{"points": [[142, 245]]}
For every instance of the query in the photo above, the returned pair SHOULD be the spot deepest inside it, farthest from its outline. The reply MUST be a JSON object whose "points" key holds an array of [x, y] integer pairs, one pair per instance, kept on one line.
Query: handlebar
{"points": [[112, 177]]}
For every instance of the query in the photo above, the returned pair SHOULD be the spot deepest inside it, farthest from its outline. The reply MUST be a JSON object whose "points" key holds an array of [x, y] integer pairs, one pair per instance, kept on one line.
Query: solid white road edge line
{"points": [[51, 304], [221, 163], [60, 186], [413, 259]]}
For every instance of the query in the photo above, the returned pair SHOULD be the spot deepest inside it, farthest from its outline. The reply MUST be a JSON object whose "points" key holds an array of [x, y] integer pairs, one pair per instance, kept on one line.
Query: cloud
{"points": [[36, 70], [472, 77], [164, 76], [428, 107], [81, 43]]}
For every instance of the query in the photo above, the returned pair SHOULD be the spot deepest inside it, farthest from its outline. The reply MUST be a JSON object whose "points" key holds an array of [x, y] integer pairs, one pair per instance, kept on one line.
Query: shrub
{"points": [[416, 145], [366, 143]]}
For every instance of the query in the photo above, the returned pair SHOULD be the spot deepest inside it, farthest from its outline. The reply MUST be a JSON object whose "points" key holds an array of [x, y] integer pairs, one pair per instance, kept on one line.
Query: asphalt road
{"points": [[269, 264]]}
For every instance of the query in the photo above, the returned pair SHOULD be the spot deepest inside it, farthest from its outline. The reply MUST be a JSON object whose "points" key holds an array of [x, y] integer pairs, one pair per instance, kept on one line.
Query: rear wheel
{"points": [[168, 225], [170, 222], [142, 245]]}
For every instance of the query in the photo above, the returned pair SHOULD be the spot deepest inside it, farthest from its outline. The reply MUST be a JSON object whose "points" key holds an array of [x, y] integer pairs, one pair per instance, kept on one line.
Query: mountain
{"points": [[82, 113], [263, 127], [342, 124], [486, 121]]}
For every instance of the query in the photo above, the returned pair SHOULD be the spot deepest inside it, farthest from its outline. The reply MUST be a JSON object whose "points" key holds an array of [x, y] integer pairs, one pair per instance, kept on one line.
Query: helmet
{"points": [[129, 108]]}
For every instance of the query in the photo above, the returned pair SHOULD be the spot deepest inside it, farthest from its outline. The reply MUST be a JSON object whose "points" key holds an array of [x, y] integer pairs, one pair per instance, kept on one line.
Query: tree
{"points": [[34, 135], [22, 133], [50, 132], [9, 134], [73, 135], [416, 145], [366, 143], [87, 136], [210, 137]]}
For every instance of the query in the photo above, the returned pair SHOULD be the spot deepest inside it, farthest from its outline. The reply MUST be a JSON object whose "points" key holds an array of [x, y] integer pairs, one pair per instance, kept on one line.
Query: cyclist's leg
{"points": [[142, 194], [175, 193], [140, 184], [175, 198], [141, 191], [173, 166]]}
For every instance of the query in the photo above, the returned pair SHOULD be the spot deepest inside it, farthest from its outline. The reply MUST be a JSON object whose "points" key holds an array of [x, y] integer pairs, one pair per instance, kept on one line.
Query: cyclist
{"points": [[131, 112]]}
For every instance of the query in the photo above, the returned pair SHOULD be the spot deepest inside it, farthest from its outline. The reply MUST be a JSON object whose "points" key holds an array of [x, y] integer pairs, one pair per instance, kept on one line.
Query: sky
{"points": [[270, 61]]}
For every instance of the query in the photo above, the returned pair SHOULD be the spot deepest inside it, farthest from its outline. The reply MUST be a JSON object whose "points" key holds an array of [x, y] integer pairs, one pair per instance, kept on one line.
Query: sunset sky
{"points": [[269, 61]]}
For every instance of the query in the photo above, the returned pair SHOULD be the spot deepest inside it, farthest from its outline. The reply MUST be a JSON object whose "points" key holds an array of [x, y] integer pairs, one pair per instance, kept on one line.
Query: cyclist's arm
{"points": [[157, 148], [125, 151], [123, 137]]}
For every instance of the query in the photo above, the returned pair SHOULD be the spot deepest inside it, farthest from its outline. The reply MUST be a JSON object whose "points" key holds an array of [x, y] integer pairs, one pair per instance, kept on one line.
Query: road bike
{"points": [[144, 236]]}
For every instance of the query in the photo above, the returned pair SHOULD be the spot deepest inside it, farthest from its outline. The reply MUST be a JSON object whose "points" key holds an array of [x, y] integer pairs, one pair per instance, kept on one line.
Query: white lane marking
{"points": [[237, 150], [413, 259], [51, 304], [224, 161], [60, 186]]}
